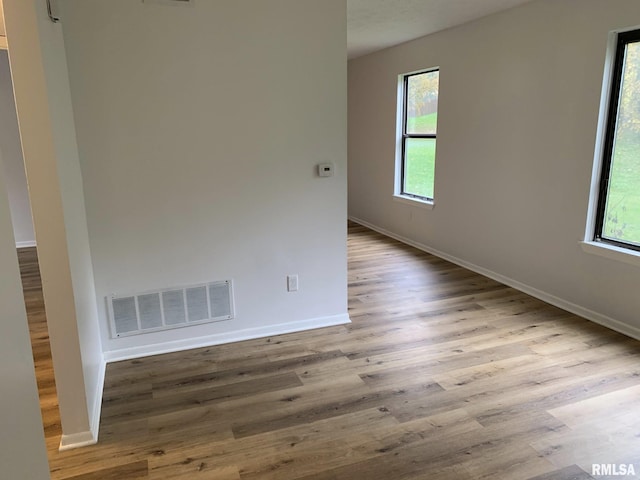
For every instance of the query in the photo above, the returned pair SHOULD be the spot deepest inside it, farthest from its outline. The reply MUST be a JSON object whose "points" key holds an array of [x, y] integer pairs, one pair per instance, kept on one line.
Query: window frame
{"points": [[609, 139], [401, 194]]}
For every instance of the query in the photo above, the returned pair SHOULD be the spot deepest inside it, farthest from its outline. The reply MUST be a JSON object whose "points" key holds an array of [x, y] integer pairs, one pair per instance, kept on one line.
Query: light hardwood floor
{"points": [[443, 374]]}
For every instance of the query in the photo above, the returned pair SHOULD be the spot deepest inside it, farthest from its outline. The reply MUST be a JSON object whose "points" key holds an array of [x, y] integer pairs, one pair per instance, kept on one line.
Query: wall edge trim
{"points": [[97, 406]]}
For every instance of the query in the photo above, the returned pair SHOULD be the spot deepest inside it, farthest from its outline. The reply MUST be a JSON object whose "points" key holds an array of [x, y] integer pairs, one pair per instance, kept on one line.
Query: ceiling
{"points": [[377, 24]]}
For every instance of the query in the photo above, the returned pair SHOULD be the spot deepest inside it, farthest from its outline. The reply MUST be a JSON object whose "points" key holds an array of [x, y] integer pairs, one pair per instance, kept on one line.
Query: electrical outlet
{"points": [[325, 170], [292, 283]]}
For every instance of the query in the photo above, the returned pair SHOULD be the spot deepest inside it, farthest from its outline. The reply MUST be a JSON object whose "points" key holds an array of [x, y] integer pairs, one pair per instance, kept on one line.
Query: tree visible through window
{"points": [[420, 121], [618, 220]]}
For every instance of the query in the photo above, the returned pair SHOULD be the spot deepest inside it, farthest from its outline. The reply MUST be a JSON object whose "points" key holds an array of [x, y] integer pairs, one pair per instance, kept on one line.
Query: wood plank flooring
{"points": [[34, 302], [443, 374]]}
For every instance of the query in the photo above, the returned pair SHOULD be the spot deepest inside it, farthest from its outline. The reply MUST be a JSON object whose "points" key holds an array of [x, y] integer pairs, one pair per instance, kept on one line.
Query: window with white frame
{"points": [[418, 104], [617, 220]]}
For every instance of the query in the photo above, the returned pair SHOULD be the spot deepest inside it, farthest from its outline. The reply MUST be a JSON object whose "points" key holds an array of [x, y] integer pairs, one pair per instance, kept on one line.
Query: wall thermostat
{"points": [[325, 170]]}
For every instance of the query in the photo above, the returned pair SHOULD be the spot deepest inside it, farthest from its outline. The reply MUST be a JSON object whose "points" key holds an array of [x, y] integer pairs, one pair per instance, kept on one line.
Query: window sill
{"points": [[624, 255], [415, 202]]}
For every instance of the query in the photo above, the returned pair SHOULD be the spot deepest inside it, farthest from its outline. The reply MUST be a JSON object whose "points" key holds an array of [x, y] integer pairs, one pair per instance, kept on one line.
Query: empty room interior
{"points": [[320, 239]]}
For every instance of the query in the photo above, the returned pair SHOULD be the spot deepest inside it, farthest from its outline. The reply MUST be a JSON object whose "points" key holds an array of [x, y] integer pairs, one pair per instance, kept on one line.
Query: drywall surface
{"points": [[2, 31], [13, 162], [518, 114], [199, 131], [22, 446], [45, 116]]}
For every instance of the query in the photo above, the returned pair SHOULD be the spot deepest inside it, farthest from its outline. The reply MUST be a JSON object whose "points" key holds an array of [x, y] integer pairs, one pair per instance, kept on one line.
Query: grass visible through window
{"points": [[622, 217], [424, 123], [621, 220], [420, 157], [419, 133]]}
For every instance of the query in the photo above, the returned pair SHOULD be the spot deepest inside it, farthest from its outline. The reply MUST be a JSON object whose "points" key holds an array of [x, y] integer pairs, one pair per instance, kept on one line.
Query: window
{"points": [[618, 209], [419, 122]]}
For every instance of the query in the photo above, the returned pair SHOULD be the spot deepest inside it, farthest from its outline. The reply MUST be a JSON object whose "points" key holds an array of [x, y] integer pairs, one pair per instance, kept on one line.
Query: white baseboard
{"points": [[77, 440], [228, 337], [84, 439], [31, 243], [604, 320]]}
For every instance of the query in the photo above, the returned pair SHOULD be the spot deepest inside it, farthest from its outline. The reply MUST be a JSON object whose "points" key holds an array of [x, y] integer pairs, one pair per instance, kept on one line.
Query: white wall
{"points": [[46, 121], [13, 162], [22, 446], [3, 35], [518, 111], [199, 129]]}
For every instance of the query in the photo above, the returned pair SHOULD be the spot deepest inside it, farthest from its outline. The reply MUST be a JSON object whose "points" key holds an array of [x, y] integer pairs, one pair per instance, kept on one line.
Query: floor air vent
{"points": [[171, 308]]}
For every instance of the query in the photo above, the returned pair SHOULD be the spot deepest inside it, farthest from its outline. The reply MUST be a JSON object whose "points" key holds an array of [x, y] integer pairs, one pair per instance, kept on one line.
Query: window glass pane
{"points": [[422, 103], [622, 211], [419, 167]]}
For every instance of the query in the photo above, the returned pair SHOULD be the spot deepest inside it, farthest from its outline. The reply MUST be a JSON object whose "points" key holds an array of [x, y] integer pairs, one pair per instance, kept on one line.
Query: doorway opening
{"points": [[12, 163]]}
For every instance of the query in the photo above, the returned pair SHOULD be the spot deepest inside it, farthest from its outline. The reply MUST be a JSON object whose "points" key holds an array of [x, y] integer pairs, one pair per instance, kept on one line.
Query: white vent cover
{"points": [[171, 308]]}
